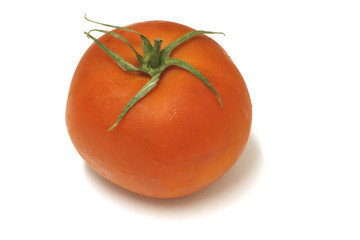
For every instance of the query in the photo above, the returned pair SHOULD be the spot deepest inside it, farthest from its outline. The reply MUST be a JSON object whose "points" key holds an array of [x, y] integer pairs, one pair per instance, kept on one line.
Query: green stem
{"points": [[153, 62], [155, 55]]}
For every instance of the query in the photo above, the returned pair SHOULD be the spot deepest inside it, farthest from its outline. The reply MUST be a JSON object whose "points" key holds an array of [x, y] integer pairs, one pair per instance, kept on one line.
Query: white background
{"points": [[299, 177]]}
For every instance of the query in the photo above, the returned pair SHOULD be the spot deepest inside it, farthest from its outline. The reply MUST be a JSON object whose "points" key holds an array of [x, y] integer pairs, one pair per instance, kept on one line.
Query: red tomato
{"points": [[177, 139]]}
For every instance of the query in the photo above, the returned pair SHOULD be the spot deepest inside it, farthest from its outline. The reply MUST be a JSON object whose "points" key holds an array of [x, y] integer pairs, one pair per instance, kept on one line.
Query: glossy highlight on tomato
{"points": [[175, 140]]}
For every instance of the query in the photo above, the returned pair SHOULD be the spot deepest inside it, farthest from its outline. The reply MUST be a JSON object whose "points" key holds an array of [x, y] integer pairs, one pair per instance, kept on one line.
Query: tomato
{"points": [[175, 140]]}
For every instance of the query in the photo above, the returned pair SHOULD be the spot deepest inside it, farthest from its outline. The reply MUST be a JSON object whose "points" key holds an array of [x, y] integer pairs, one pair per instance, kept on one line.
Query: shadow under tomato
{"points": [[224, 192]]}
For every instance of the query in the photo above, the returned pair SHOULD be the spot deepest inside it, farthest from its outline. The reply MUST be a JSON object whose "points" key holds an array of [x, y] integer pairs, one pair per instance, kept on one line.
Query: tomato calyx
{"points": [[153, 63]]}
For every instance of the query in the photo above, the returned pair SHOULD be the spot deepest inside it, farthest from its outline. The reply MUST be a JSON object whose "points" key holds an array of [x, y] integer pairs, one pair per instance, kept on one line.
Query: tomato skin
{"points": [[177, 139]]}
